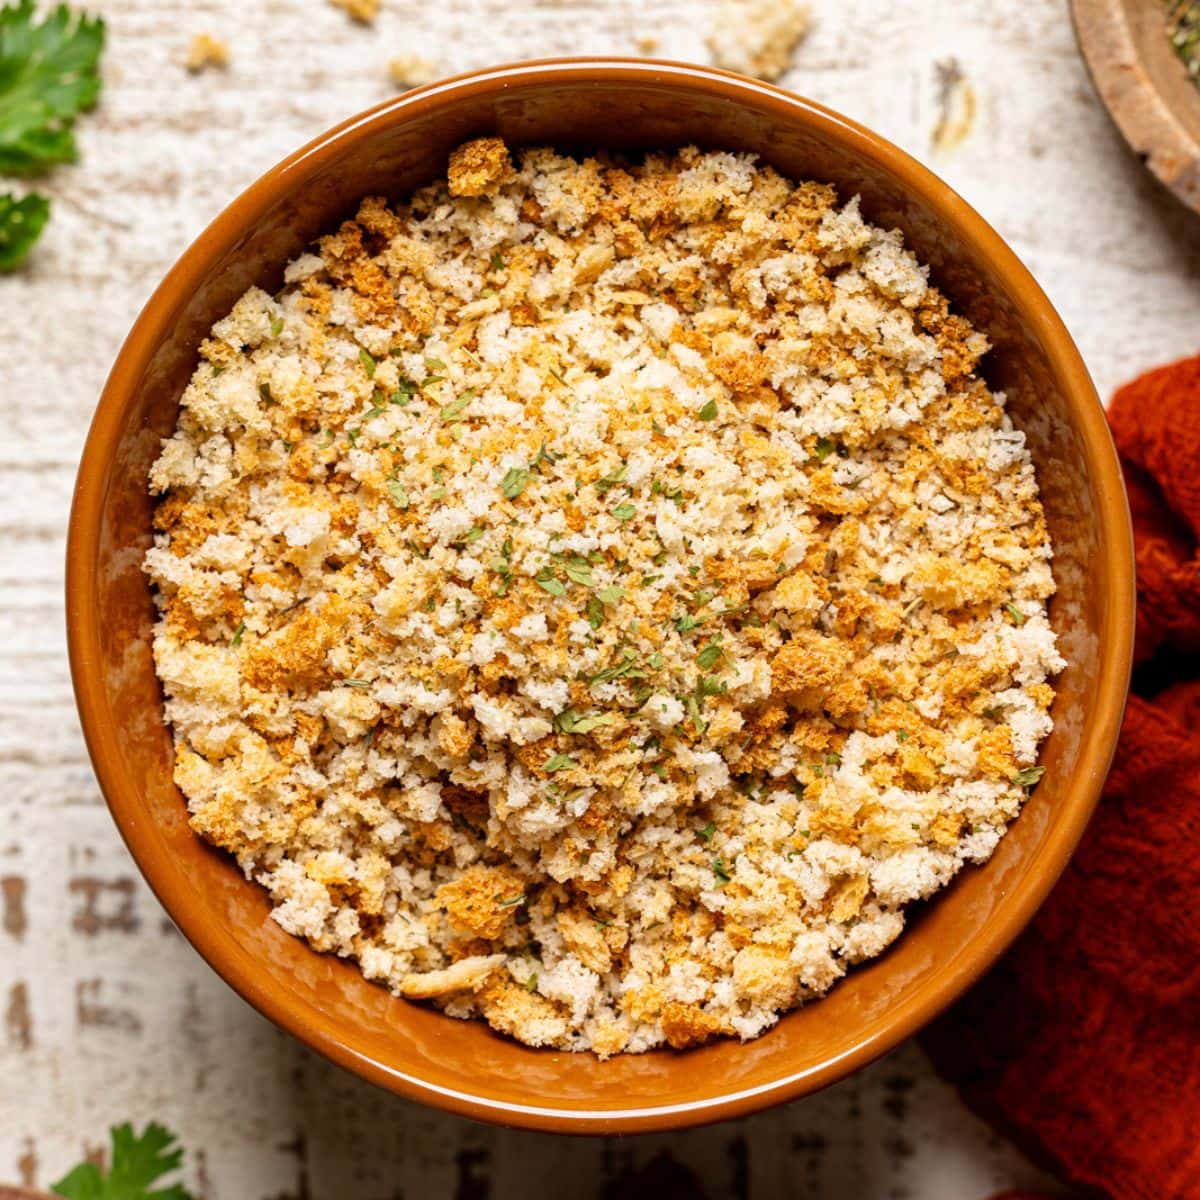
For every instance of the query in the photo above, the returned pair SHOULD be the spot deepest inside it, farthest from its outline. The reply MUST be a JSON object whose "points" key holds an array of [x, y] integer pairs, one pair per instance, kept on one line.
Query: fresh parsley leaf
{"points": [[559, 762], [137, 1163], [498, 263], [611, 594], [706, 834], [21, 224], [721, 871], [398, 492], [824, 448], [709, 656], [513, 483], [624, 512], [48, 76], [276, 326], [368, 363], [236, 640], [708, 412]]}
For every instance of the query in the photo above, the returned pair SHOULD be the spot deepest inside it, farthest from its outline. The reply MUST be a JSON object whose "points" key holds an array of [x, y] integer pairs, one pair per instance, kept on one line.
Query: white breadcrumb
{"points": [[411, 70], [757, 37], [206, 51], [599, 596]]}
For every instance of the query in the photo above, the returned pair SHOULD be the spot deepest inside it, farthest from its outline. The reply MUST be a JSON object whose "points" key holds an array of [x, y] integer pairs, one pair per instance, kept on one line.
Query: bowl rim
{"points": [[84, 617]]}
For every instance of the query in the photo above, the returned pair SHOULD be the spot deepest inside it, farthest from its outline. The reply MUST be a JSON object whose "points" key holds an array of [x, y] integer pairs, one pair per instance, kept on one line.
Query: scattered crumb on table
{"points": [[757, 37], [206, 51], [411, 70], [363, 11]]}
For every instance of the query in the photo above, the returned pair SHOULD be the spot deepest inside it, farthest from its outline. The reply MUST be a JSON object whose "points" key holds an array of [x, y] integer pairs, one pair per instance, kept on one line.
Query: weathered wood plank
{"points": [[105, 1013]]}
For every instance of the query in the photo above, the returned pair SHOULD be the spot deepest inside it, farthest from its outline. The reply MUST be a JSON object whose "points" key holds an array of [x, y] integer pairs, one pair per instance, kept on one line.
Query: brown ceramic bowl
{"points": [[462, 1066]]}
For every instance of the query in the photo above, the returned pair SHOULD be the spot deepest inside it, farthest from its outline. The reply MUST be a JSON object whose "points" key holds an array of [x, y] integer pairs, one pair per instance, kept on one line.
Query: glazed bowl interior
{"points": [[626, 106]]}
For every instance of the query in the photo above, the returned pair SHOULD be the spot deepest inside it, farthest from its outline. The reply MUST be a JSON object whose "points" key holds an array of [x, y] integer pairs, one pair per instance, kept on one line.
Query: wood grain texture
{"points": [[105, 1013]]}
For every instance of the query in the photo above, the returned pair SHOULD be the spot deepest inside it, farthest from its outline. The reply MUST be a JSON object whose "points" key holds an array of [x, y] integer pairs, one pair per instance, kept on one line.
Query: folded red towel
{"points": [[1084, 1042]]}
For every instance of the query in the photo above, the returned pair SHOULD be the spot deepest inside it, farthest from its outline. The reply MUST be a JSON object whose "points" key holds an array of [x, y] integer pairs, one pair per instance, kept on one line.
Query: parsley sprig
{"points": [[48, 76], [136, 1163]]}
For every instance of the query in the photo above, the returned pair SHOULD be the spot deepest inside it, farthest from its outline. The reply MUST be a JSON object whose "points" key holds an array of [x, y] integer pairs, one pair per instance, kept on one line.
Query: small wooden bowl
{"points": [[1145, 87]]}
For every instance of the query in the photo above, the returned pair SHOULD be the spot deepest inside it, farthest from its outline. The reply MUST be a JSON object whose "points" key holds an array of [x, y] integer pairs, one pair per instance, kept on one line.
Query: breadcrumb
{"points": [[757, 37], [362, 11], [206, 51], [411, 70]]}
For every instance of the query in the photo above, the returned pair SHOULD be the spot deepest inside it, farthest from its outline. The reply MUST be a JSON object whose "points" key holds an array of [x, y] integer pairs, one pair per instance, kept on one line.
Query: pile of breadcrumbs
{"points": [[599, 596]]}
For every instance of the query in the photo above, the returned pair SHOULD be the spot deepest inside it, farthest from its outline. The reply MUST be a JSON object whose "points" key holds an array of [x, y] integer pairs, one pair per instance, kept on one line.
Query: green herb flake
{"points": [[611, 594], [706, 834], [1018, 617], [368, 363], [624, 512], [571, 720], [454, 410], [398, 493], [546, 581], [1028, 777], [624, 667], [510, 902], [709, 656], [559, 762], [824, 448], [357, 683], [531, 983], [514, 482], [721, 871], [498, 263], [612, 479], [276, 326], [595, 612], [708, 412], [579, 571], [236, 640], [473, 534]]}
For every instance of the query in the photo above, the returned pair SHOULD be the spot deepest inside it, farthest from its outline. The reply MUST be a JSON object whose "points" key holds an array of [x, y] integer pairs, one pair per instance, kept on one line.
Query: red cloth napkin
{"points": [[1084, 1043]]}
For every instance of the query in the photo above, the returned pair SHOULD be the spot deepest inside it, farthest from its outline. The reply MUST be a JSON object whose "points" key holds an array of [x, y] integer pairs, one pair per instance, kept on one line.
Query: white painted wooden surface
{"points": [[105, 1014]]}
